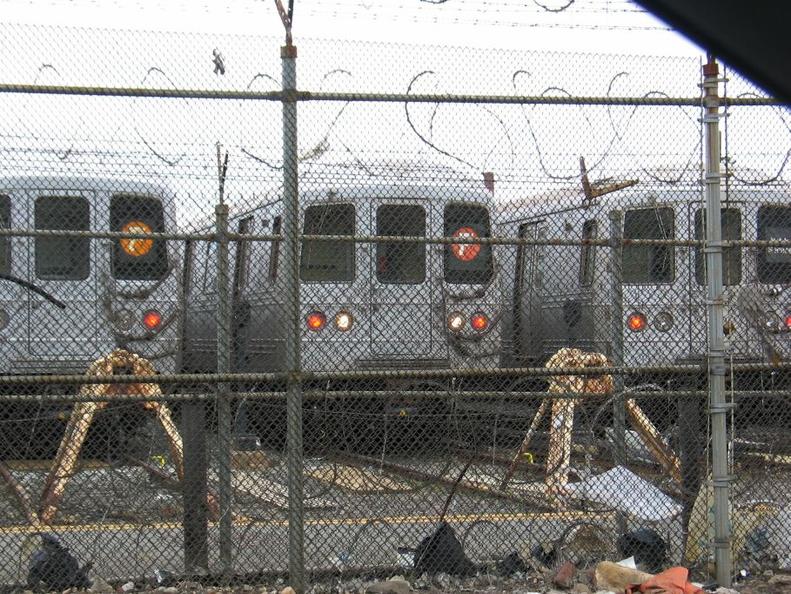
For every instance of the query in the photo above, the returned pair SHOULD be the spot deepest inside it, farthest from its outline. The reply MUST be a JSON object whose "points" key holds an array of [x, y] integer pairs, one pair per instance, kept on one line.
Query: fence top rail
{"points": [[377, 97]]}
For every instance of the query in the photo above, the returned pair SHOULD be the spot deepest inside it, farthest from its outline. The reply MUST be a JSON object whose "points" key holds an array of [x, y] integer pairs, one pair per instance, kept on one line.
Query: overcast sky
{"points": [[597, 26]]}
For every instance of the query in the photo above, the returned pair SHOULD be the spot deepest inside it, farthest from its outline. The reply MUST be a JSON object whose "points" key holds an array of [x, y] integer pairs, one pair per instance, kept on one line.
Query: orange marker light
{"points": [[788, 322], [636, 322]]}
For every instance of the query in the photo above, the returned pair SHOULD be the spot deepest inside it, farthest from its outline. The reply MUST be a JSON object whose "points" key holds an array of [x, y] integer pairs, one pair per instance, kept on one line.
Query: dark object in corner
{"points": [[441, 552], [55, 567], [647, 548], [510, 565]]}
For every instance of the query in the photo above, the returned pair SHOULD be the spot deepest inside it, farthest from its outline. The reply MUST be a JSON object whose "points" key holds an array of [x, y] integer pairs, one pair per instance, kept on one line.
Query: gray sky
{"points": [[599, 26]]}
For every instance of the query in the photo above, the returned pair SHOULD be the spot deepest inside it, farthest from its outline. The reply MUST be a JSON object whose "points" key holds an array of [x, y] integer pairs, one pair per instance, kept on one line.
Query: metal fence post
{"points": [[223, 404], [718, 408], [619, 402], [296, 553]]}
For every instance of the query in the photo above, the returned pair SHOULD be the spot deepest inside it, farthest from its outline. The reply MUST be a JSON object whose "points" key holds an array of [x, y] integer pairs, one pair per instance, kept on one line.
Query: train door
{"points": [[401, 312], [64, 320], [527, 294], [656, 295], [12, 275]]}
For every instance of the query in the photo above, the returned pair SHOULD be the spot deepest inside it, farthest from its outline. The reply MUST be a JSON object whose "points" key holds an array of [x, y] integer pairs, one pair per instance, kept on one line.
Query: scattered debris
{"points": [[625, 491], [616, 577]]}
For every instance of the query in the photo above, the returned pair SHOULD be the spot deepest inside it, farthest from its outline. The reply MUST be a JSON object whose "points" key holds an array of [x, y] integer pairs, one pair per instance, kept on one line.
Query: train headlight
{"points": [[344, 321], [455, 321], [772, 323], [663, 321], [152, 319], [316, 320], [479, 322], [636, 322], [123, 320]]}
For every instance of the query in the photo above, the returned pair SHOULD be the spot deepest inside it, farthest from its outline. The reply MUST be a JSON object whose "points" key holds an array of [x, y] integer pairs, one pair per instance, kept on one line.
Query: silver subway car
{"points": [[564, 290], [367, 304], [67, 298]]}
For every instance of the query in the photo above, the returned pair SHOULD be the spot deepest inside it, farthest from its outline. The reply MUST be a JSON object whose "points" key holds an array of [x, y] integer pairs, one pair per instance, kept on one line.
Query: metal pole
{"points": [[223, 402], [718, 408], [296, 552], [620, 457]]}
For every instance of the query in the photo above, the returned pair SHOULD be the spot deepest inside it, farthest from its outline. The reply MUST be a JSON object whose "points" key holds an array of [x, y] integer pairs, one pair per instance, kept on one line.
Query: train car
{"points": [[366, 304], [563, 287], [67, 300]]}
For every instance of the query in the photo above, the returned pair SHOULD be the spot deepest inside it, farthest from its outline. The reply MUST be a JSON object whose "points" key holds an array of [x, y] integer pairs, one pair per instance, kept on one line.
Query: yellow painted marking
{"points": [[246, 522]]}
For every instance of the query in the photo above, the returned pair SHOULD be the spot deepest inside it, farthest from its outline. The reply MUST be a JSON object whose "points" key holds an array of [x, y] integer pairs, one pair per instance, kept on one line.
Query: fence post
{"points": [[616, 305], [718, 408], [223, 404], [296, 553]]}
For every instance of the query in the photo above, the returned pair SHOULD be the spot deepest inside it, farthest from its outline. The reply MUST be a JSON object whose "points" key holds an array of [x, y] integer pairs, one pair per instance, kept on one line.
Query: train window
{"points": [[590, 230], [62, 258], [5, 243], [774, 263], [138, 259], [328, 259], [274, 259], [731, 256], [649, 263], [242, 257], [400, 262], [210, 267], [467, 263]]}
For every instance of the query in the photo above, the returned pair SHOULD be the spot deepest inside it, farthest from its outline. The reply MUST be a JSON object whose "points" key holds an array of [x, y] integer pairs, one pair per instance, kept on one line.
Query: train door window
{"points": [[400, 262], [242, 256], [5, 243], [774, 263], [328, 259], [210, 268], [646, 263], [590, 230], [138, 258], [467, 263], [62, 258], [731, 256], [274, 259], [189, 266]]}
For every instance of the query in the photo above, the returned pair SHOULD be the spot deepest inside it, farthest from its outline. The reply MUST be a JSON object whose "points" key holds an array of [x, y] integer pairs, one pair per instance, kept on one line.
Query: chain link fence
{"points": [[432, 311]]}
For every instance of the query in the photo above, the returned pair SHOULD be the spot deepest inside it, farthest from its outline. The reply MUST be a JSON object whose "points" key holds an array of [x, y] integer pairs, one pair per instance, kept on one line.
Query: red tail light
{"points": [[480, 322], [316, 320], [636, 322], [152, 319]]}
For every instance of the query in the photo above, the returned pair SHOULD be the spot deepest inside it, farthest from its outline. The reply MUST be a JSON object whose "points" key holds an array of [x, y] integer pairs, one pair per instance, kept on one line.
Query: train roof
{"points": [[624, 192], [65, 181]]}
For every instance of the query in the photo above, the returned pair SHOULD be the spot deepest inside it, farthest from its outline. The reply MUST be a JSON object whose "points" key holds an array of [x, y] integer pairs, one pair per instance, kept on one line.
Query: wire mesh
{"points": [[495, 288]]}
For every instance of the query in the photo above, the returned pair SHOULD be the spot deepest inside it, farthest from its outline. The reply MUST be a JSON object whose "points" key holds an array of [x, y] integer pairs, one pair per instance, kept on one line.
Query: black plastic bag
{"points": [[647, 548], [441, 552], [55, 567]]}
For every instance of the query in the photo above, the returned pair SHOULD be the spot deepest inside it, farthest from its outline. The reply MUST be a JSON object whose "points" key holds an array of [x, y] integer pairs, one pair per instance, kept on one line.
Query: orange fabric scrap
{"points": [[673, 581]]}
